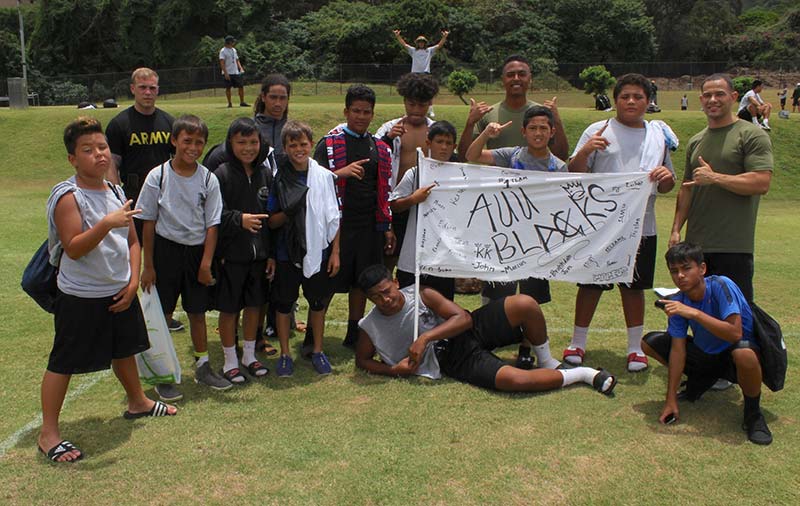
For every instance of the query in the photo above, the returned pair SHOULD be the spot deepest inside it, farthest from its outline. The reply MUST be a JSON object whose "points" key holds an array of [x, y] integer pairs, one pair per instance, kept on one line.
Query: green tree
{"points": [[461, 82], [596, 80]]}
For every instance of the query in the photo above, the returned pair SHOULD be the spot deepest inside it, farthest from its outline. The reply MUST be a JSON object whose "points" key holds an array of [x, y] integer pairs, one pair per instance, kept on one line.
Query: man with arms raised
{"points": [[510, 112], [456, 343], [516, 81]]}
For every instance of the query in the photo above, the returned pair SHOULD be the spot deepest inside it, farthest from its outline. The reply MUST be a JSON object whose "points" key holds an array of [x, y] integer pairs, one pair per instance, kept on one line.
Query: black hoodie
{"points": [[243, 194]]}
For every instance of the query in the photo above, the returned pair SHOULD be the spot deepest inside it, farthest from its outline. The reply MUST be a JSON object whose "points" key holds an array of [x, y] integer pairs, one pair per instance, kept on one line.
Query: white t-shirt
{"points": [[393, 335], [623, 154], [230, 56], [404, 188], [183, 207], [745, 101], [421, 58]]}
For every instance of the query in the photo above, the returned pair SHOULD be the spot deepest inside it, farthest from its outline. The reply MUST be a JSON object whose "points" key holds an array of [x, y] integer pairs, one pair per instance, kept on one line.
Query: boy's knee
{"points": [[745, 357], [522, 304]]}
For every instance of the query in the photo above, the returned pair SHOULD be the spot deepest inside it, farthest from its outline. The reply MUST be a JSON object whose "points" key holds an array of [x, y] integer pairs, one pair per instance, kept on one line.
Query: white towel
{"points": [[322, 216], [658, 138]]}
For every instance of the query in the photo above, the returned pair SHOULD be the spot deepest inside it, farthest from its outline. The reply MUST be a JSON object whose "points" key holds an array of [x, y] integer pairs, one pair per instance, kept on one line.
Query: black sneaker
{"points": [[757, 430], [524, 362], [174, 325], [244, 104]]}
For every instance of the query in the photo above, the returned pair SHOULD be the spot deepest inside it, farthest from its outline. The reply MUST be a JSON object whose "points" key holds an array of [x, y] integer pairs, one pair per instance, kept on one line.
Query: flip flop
{"points": [[266, 348], [257, 369], [60, 449], [159, 409], [235, 376]]}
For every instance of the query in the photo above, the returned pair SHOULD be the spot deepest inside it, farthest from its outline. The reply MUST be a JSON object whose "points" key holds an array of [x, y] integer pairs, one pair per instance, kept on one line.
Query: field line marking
{"points": [[15, 438]]}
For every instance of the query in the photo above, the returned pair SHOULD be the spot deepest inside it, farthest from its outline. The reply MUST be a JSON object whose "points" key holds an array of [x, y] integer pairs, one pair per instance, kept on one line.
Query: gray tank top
{"points": [[106, 269], [393, 335]]}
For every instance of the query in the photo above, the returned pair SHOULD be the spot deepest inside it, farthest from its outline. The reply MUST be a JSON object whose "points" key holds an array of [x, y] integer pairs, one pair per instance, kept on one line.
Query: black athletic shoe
{"points": [[524, 362], [757, 430], [174, 325]]}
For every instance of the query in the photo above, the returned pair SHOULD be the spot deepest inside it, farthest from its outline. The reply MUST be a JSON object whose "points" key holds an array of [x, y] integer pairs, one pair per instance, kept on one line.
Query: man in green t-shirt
{"points": [[516, 81], [728, 166]]}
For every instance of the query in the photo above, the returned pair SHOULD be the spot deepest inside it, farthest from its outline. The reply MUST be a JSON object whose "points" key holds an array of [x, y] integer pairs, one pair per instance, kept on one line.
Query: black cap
{"points": [[229, 39]]}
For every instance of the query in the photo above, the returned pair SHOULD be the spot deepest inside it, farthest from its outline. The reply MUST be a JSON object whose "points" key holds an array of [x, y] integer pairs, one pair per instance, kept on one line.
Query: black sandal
{"points": [[257, 369], [159, 409], [54, 453], [235, 376]]}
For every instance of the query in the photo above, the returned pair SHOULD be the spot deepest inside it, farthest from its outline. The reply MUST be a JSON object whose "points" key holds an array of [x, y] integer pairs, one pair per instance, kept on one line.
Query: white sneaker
{"points": [[721, 384]]}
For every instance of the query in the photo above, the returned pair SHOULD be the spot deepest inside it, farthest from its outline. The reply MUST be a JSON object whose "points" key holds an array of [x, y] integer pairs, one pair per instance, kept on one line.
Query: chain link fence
{"points": [[208, 81]]}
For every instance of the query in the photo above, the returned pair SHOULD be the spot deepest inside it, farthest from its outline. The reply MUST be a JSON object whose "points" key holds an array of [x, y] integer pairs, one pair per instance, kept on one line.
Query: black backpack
{"points": [[767, 333], [774, 359], [39, 279]]}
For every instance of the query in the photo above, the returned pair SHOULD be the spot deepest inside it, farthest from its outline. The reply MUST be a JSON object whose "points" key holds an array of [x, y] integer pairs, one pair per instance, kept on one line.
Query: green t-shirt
{"points": [[721, 221], [510, 136]]}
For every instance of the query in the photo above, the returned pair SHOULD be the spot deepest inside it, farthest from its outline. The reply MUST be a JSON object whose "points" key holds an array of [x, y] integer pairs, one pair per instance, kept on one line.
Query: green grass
{"points": [[357, 439]]}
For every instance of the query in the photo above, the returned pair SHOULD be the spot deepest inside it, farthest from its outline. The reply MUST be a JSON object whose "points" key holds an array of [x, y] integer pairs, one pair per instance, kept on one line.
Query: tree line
{"points": [[313, 38]]}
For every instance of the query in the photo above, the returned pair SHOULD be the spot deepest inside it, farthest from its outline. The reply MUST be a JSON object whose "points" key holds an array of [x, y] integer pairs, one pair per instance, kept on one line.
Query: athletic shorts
{"points": [[737, 266], [89, 336], [359, 248], [176, 268], [702, 369], [539, 289], [240, 285], [745, 114], [445, 286], [644, 267], [235, 81], [468, 357], [287, 282]]}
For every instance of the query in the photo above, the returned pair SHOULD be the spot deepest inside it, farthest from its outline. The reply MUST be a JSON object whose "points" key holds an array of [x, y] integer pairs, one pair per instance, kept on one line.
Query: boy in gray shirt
{"points": [[181, 207]]}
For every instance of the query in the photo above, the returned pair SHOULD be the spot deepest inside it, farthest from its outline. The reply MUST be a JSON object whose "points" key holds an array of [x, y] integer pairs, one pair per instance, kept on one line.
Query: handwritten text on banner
{"points": [[502, 224]]}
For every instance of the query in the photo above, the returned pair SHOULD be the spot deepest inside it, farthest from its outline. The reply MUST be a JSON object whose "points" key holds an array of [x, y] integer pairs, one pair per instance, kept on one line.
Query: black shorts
{"points": [[702, 369], [287, 282], [399, 224], [235, 81], [745, 114], [89, 336], [539, 289], [240, 285], [176, 268], [737, 266], [445, 286], [468, 357], [644, 267], [359, 248]]}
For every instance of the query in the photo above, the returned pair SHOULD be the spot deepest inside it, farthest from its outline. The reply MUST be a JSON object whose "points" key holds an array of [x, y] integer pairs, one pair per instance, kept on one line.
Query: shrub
{"points": [[596, 80], [460, 82]]}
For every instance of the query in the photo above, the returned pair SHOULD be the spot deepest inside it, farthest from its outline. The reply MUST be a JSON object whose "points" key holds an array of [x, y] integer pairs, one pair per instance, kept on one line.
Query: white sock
{"points": [[766, 122], [230, 358], [543, 357], [578, 375], [755, 120], [201, 360], [249, 352], [635, 339], [579, 336]]}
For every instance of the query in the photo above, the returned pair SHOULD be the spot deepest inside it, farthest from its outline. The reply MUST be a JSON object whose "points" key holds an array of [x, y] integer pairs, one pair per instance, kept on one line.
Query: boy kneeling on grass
{"points": [[722, 343], [98, 320], [456, 343]]}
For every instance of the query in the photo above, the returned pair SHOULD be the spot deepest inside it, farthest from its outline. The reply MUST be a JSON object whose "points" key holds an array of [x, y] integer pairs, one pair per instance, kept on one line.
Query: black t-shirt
{"points": [[143, 142], [360, 196]]}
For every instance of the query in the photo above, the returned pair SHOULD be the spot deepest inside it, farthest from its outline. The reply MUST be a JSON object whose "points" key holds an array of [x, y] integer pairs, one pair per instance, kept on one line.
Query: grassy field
{"points": [[356, 439]]}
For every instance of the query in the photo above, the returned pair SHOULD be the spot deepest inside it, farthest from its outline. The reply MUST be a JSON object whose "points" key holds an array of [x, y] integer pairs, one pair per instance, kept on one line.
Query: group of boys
{"points": [[335, 231]]}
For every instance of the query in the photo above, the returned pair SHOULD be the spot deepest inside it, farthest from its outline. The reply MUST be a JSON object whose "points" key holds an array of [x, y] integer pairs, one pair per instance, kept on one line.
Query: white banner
{"points": [[501, 224]]}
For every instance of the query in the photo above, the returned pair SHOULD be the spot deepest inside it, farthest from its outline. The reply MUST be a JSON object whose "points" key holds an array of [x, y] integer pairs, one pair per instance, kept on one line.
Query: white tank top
{"points": [[106, 269]]}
